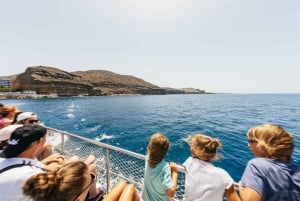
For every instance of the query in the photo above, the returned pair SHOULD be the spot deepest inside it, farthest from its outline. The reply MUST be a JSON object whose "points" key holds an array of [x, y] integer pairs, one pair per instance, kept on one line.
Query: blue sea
{"points": [[129, 121]]}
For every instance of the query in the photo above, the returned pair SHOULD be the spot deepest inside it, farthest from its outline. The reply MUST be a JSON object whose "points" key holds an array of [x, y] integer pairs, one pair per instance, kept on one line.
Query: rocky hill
{"points": [[53, 81]]}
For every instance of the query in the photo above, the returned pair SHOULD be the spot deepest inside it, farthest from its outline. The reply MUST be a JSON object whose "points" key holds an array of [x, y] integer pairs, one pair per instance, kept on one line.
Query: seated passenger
{"points": [[5, 135], [203, 180], [72, 181], [271, 175], [7, 115], [20, 163], [160, 179], [26, 118]]}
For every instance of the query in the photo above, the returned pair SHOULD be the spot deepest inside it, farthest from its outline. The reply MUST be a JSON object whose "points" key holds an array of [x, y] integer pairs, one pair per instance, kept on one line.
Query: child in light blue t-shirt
{"points": [[160, 177]]}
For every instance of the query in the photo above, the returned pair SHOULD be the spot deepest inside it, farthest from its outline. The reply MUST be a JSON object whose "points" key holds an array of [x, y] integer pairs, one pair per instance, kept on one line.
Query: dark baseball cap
{"points": [[22, 138]]}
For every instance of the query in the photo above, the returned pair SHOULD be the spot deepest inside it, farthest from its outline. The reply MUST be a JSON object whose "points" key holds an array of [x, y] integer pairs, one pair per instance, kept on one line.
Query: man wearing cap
{"points": [[5, 135], [26, 118], [19, 162]]}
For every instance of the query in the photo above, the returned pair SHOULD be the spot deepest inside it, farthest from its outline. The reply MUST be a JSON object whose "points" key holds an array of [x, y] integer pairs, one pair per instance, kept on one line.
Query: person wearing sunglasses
{"points": [[26, 118], [271, 175]]}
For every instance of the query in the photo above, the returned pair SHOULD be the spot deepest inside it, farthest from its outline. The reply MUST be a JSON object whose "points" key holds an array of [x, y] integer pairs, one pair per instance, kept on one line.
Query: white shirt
{"points": [[12, 180], [204, 181]]}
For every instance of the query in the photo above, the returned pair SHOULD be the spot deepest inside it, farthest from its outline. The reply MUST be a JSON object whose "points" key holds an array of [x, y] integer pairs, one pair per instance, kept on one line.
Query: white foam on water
{"points": [[103, 137], [70, 115], [93, 129]]}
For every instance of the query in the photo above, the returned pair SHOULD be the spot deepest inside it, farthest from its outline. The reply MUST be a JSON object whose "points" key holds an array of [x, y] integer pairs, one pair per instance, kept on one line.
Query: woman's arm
{"points": [[249, 194], [171, 191]]}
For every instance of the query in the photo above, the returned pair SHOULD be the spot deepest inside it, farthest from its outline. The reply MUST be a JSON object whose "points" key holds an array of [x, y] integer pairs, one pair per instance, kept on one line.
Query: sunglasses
{"points": [[33, 121], [251, 141], [93, 180]]}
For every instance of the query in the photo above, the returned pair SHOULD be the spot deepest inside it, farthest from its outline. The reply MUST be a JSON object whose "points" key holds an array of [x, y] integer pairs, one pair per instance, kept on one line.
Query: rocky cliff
{"points": [[56, 82], [49, 80]]}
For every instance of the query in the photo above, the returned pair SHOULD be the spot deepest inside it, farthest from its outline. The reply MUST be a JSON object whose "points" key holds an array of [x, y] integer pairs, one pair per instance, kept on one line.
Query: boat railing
{"points": [[113, 163]]}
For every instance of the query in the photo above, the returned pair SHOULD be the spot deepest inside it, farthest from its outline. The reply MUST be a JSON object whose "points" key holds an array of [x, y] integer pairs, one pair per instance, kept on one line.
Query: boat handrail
{"points": [[114, 163]]}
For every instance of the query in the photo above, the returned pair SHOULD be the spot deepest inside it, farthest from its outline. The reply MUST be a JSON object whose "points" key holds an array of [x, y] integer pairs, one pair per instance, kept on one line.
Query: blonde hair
{"points": [[63, 184], [204, 147], [5, 110], [157, 149], [277, 143]]}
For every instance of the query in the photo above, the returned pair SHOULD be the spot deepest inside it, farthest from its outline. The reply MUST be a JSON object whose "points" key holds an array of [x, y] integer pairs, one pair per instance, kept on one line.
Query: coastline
{"points": [[18, 95], [13, 95]]}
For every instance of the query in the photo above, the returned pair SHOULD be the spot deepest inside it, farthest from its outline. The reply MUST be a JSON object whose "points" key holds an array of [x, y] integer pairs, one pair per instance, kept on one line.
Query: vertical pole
{"points": [[62, 143], [107, 165]]}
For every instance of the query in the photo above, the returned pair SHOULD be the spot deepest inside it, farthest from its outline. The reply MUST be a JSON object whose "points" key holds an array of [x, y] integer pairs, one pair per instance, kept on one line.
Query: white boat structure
{"points": [[113, 163]]}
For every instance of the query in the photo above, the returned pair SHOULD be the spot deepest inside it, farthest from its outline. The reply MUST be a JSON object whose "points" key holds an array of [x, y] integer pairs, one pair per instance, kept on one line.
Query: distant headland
{"points": [[43, 81]]}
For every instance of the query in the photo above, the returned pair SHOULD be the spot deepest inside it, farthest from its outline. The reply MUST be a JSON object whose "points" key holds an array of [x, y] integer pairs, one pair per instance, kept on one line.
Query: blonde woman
{"points": [[160, 177], [270, 175], [7, 115], [203, 180]]}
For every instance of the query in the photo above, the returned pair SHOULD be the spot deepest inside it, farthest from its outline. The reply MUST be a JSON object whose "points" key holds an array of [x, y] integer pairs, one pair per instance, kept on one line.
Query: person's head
{"points": [[8, 111], [157, 149], [26, 141], [1, 105], [26, 118], [5, 134], [271, 141], [70, 182], [204, 147]]}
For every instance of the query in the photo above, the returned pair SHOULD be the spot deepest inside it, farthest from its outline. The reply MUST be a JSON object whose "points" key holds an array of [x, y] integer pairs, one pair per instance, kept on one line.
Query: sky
{"points": [[230, 46]]}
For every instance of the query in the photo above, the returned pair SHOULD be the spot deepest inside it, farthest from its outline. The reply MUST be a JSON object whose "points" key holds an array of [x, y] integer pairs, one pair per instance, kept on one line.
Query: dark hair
{"points": [[22, 138], [16, 116], [157, 149]]}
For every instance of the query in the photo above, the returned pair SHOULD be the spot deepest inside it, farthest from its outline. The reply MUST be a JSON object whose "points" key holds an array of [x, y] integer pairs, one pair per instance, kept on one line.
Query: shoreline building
{"points": [[5, 83]]}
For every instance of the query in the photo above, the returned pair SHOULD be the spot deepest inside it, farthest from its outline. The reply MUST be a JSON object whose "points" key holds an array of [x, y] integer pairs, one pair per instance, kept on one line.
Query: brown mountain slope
{"points": [[104, 78], [49, 80]]}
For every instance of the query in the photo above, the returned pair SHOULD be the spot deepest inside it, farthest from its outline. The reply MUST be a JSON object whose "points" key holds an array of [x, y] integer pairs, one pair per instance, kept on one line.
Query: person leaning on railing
{"points": [[160, 179], [203, 180], [271, 175]]}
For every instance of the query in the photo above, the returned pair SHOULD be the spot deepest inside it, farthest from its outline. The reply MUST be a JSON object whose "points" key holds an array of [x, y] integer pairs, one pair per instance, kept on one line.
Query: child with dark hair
{"points": [[160, 179], [203, 180]]}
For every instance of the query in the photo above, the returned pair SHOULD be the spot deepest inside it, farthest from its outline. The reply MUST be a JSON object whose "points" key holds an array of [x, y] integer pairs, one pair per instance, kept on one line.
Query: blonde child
{"points": [[203, 180], [160, 177]]}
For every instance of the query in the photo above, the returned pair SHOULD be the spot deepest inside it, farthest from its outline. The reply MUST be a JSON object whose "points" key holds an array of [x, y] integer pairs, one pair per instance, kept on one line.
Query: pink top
{"points": [[3, 120]]}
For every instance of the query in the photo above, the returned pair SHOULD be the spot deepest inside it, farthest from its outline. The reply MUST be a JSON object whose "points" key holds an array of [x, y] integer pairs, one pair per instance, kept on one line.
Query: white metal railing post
{"points": [[62, 143], [107, 166]]}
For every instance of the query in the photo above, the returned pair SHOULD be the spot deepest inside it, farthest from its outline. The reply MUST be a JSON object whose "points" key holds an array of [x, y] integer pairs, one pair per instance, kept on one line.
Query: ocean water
{"points": [[129, 121]]}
